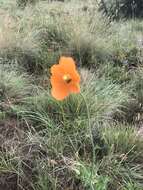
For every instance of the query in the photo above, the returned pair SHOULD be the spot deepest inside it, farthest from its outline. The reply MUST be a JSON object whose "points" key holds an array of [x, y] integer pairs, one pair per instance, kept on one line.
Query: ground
{"points": [[91, 140]]}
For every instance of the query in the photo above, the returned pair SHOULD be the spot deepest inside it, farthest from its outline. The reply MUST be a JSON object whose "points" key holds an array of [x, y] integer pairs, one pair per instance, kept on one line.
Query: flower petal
{"points": [[75, 76], [60, 88], [59, 92], [56, 80], [67, 63], [57, 70], [74, 88]]}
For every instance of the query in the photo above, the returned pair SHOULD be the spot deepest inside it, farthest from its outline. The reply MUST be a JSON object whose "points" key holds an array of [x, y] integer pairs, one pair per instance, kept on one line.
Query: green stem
{"points": [[91, 136]]}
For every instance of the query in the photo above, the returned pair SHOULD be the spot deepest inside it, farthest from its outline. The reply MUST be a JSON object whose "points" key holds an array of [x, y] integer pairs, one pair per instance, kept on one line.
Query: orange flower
{"points": [[65, 78]]}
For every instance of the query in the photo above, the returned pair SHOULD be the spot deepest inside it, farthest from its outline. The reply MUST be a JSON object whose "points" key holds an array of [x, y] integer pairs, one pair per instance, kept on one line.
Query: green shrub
{"points": [[89, 176], [122, 8], [23, 3]]}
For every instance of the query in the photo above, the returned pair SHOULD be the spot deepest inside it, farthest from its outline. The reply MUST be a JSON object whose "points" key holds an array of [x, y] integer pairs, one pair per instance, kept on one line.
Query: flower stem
{"points": [[91, 136]]}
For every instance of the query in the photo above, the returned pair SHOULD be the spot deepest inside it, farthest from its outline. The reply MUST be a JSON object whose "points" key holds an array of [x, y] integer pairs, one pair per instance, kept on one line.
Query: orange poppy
{"points": [[64, 79]]}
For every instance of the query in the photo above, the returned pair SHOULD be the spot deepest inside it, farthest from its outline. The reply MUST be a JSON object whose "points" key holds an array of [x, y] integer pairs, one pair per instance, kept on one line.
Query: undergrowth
{"points": [[47, 144]]}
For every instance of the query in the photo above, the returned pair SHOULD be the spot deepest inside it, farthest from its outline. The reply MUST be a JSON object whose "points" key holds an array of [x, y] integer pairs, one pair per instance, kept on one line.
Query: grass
{"points": [[48, 144], [124, 156], [41, 43]]}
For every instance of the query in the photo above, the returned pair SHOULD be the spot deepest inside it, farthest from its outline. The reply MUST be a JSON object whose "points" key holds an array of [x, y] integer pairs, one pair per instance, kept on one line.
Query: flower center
{"points": [[67, 78]]}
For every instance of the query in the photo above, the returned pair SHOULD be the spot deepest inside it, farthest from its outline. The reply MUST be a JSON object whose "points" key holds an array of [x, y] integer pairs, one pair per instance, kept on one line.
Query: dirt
{"points": [[13, 142], [12, 134], [8, 181]]}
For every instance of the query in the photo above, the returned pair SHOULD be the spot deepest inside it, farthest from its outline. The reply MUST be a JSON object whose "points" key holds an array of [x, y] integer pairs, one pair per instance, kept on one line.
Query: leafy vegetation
{"points": [[89, 141], [122, 8]]}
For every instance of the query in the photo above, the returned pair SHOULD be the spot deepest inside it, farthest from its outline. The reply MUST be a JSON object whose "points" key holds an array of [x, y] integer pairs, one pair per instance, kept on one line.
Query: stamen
{"points": [[67, 78]]}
